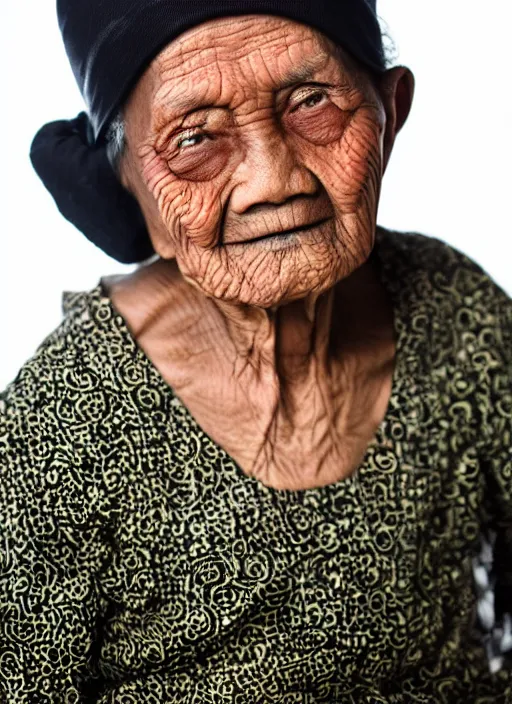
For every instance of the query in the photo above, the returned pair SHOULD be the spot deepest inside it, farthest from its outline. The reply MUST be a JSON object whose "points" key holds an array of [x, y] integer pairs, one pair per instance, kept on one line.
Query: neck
{"points": [[157, 303], [293, 394]]}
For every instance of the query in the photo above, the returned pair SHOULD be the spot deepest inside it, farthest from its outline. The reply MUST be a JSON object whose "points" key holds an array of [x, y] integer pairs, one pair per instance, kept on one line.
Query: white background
{"points": [[449, 175]]}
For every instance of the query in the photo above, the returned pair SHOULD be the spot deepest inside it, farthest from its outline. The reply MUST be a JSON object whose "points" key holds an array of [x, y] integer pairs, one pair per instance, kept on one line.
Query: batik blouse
{"points": [[140, 565]]}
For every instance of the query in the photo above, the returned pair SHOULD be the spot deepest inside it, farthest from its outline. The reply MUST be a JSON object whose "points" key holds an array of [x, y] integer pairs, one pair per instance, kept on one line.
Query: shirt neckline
{"points": [[398, 285]]}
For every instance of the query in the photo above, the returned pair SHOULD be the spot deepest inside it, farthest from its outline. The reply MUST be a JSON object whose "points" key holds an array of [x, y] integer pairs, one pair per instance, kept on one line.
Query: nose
{"points": [[270, 174]]}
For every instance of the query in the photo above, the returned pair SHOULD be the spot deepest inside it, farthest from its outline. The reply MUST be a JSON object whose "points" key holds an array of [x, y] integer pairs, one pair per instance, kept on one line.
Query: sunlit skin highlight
{"points": [[281, 346]]}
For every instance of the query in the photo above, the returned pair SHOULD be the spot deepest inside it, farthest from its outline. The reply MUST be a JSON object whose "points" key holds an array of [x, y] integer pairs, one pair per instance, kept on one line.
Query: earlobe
{"points": [[397, 92]]}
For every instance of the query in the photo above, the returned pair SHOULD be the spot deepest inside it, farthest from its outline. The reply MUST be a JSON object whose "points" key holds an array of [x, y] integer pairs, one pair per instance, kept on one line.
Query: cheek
{"points": [[202, 163], [190, 211], [360, 151], [321, 127], [350, 166]]}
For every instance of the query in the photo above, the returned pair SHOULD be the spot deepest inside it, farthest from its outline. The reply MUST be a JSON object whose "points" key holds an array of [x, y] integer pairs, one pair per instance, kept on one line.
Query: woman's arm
{"points": [[51, 551], [498, 462]]}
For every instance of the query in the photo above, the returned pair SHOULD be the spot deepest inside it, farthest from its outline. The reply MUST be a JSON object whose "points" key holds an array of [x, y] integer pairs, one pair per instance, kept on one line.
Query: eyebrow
{"points": [[299, 74], [187, 101]]}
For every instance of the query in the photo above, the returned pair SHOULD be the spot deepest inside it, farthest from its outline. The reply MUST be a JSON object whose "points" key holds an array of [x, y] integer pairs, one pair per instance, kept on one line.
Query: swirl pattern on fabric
{"points": [[139, 564]]}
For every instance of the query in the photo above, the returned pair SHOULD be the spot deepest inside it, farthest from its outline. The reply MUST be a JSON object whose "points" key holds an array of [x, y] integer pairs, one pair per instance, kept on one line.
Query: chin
{"points": [[274, 271]]}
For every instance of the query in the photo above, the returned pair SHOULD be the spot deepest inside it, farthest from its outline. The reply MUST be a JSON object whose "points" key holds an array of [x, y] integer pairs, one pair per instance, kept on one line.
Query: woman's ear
{"points": [[396, 88]]}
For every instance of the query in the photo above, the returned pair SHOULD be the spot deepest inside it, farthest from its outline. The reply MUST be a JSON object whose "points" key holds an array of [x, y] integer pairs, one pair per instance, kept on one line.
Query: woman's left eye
{"points": [[312, 100]]}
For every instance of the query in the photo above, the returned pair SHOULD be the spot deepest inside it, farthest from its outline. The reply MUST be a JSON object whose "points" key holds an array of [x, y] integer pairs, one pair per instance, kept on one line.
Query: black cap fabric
{"points": [[109, 44], [78, 175]]}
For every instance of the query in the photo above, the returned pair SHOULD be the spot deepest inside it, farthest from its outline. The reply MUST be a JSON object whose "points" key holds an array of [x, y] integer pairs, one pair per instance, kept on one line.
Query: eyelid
{"points": [[302, 95], [312, 86], [298, 100], [186, 134], [177, 133], [306, 89]]}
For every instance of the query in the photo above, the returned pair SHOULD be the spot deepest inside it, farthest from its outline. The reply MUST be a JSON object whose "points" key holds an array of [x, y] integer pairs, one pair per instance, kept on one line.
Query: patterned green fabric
{"points": [[139, 564]]}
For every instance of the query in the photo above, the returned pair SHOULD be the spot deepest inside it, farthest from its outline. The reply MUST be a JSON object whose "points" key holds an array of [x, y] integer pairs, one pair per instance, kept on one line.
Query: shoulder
{"points": [[70, 363], [443, 265], [82, 364], [457, 326], [70, 419], [449, 286]]}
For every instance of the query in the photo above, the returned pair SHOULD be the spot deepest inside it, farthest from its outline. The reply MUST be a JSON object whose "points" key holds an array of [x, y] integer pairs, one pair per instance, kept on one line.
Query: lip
{"points": [[284, 233]]}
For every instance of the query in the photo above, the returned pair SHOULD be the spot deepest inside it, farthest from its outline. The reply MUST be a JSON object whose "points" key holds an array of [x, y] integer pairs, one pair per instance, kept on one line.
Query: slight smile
{"points": [[285, 235]]}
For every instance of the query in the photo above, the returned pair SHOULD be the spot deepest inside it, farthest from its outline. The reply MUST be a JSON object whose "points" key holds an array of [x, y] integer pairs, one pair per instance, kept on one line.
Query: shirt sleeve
{"points": [[50, 553], [499, 459]]}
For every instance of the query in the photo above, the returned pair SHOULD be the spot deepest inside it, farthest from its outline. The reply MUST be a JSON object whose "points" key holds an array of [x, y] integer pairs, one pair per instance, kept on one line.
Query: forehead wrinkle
{"points": [[180, 98], [175, 95], [215, 43], [305, 71], [244, 31]]}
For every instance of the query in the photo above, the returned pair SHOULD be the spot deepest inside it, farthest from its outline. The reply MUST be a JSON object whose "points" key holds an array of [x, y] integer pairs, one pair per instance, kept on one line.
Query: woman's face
{"points": [[256, 151]]}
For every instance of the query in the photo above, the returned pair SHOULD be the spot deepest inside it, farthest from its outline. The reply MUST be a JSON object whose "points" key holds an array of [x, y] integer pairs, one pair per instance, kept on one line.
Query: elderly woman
{"points": [[258, 468]]}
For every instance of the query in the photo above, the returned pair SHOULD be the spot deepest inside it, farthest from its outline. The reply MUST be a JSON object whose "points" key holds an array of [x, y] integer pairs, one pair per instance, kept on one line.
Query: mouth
{"points": [[283, 233]]}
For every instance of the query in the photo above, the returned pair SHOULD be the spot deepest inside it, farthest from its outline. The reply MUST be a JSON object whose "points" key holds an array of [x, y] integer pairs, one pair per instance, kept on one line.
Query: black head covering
{"points": [[109, 44]]}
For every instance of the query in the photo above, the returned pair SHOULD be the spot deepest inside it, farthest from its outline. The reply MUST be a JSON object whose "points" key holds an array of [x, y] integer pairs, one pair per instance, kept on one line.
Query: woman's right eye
{"points": [[190, 140]]}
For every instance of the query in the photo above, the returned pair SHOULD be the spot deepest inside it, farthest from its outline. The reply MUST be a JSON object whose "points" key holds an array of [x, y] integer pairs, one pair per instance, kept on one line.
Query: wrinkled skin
{"points": [[281, 346]]}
